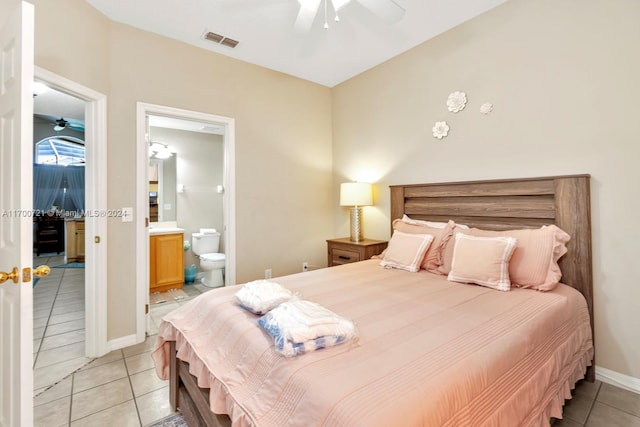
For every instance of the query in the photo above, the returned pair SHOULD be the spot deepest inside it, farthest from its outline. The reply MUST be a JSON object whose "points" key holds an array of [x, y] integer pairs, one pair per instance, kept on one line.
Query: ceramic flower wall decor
{"points": [[440, 130], [456, 101], [486, 108]]}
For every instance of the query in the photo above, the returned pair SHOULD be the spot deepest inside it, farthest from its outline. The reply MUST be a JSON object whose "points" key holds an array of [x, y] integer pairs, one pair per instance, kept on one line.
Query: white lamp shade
{"points": [[356, 194]]}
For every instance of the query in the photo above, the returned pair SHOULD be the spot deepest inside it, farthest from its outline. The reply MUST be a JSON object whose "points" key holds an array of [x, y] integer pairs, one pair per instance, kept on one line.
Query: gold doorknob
{"points": [[9, 276], [41, 271]]}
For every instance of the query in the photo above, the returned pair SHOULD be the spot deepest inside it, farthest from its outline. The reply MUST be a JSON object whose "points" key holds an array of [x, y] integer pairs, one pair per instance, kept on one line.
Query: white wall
{"points": [[563, 78]]}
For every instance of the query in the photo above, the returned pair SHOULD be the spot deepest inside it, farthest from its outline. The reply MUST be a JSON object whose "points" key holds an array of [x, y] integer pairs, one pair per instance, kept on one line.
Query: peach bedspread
{"points": [[430, 353]]}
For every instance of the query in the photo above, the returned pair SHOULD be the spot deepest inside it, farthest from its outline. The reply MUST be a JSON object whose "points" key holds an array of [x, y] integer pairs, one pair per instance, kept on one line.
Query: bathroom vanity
{"points": [[166, 257]]}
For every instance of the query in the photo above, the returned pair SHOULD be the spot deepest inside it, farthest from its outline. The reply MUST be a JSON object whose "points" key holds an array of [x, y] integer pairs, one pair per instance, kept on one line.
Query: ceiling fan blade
{"points": [[306, 16], [388, 10]]}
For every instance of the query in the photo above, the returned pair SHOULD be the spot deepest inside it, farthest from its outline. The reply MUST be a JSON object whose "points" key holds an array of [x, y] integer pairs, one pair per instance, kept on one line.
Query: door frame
{"points": [[142, 198], [95, 112]]}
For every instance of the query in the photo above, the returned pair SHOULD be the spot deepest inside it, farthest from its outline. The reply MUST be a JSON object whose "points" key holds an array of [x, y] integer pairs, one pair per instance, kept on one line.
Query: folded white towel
{"points": [[311, 314], [300, 321], [260, 296]]}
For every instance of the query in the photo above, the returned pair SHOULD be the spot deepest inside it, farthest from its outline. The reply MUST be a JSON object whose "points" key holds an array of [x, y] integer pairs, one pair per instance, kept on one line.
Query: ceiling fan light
{"points": [[58, 128]]}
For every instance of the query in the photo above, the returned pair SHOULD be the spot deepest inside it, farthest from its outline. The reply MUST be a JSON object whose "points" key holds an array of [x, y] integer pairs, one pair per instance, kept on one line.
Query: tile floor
{"points": [[600, 405], [72, 390], [123, 384]]}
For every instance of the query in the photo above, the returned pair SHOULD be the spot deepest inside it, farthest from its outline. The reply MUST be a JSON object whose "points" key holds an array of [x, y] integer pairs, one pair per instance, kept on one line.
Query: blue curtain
{"points": [[47, 185], [49, 182], [75, 186]]}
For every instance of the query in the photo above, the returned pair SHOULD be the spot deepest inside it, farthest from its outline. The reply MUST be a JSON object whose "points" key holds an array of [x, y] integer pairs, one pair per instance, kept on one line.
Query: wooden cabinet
{"points": [[48, 234], [344, 251], [166, 257], [75, 240]]}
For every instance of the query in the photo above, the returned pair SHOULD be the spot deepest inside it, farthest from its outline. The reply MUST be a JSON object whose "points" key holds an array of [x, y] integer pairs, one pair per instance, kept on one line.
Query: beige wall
{"points": [[563, 78], [283, 138]]}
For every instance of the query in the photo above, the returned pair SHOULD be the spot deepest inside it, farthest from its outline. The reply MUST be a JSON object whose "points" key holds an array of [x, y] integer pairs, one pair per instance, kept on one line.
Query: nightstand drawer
{"points": [[344, 251], [341, 256]]}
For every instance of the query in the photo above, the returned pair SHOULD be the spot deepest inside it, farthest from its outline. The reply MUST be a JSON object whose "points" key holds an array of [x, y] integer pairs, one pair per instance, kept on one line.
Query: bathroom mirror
{"points": [[162, 189]]}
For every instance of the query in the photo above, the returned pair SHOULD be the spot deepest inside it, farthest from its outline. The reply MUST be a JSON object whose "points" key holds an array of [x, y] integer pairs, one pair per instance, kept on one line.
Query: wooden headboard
{"points": [[510, 204]]}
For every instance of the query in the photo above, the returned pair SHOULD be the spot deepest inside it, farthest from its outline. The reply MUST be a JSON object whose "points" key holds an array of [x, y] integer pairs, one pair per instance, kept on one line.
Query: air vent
{"points": [[229, 42], [220, 39]]}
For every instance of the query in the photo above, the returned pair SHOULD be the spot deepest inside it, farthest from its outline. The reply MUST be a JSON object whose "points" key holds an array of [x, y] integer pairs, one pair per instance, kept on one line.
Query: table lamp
{"points": [[356, 195]]}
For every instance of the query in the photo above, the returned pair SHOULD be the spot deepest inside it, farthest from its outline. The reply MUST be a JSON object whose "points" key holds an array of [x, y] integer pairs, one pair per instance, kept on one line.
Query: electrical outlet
{"points": [[305, 266], [267, 273]]}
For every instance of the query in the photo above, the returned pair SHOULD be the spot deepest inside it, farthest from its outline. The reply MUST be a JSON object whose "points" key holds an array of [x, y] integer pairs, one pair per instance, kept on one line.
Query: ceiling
{"points": [[51, 106], [50, 102], [265, 30], [183, 124]]}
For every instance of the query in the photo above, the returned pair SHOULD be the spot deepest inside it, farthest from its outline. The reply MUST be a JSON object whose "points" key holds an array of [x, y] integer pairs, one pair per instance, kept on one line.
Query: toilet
{"points": [[205, 246]]}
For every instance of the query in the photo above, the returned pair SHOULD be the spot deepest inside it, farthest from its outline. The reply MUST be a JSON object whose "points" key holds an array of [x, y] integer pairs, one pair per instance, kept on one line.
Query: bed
{"points": [[430, 351]]}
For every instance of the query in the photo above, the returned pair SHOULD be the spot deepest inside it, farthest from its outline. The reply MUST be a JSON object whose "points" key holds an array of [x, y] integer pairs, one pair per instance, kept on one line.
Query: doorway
{"points": [[167, 122], [95, 254]]}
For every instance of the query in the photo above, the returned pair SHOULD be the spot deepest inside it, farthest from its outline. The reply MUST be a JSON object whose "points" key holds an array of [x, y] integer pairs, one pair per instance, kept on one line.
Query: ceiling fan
{"points": [[388, 10], [61, 124]]}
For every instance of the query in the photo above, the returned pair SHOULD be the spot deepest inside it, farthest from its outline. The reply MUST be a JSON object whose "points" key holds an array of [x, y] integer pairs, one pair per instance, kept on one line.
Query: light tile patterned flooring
{"points": [[123, 385], [120, 388]]}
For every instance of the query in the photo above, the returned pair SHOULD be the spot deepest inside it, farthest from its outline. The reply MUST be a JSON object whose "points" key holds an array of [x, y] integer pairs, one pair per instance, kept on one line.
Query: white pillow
{"points": [[406, 251], [260, 296], [482, 260]]}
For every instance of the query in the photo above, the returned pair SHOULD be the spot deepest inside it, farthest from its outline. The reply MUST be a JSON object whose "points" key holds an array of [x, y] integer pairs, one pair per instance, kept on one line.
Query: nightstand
{"points": [[344, 251]]}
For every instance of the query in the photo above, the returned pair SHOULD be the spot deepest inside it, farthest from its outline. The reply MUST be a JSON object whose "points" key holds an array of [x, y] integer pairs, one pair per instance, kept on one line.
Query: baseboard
{"points": [[122, 342], [617, 379]]}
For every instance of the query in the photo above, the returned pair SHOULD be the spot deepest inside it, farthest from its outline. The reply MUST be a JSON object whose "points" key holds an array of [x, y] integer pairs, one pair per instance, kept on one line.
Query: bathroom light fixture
{"points": [[159, 150], [163, 154], [356, 195]]}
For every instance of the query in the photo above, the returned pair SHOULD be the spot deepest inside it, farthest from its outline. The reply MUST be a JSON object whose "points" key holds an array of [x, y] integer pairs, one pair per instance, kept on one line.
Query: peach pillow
{"points": [[482, 260], [535, 261], [441, 235], [406, 251], [447, 251], [433, 224]]}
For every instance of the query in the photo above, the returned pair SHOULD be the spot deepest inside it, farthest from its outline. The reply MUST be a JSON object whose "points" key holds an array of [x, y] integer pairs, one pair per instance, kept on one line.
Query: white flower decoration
{"points": [[440, 130], [486, 108], [456, 101]]}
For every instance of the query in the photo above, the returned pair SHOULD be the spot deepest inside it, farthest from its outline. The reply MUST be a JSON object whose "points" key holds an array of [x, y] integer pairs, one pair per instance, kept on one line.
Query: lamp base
{"points": [[356, 224]]}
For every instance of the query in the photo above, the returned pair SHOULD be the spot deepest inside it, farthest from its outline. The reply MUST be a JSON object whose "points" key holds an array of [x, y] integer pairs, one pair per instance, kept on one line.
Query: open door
{"points": [[16, 229]]}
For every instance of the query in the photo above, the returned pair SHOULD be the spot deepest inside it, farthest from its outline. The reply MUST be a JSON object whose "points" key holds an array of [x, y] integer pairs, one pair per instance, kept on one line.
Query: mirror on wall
{"points": [[162, 189]]}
